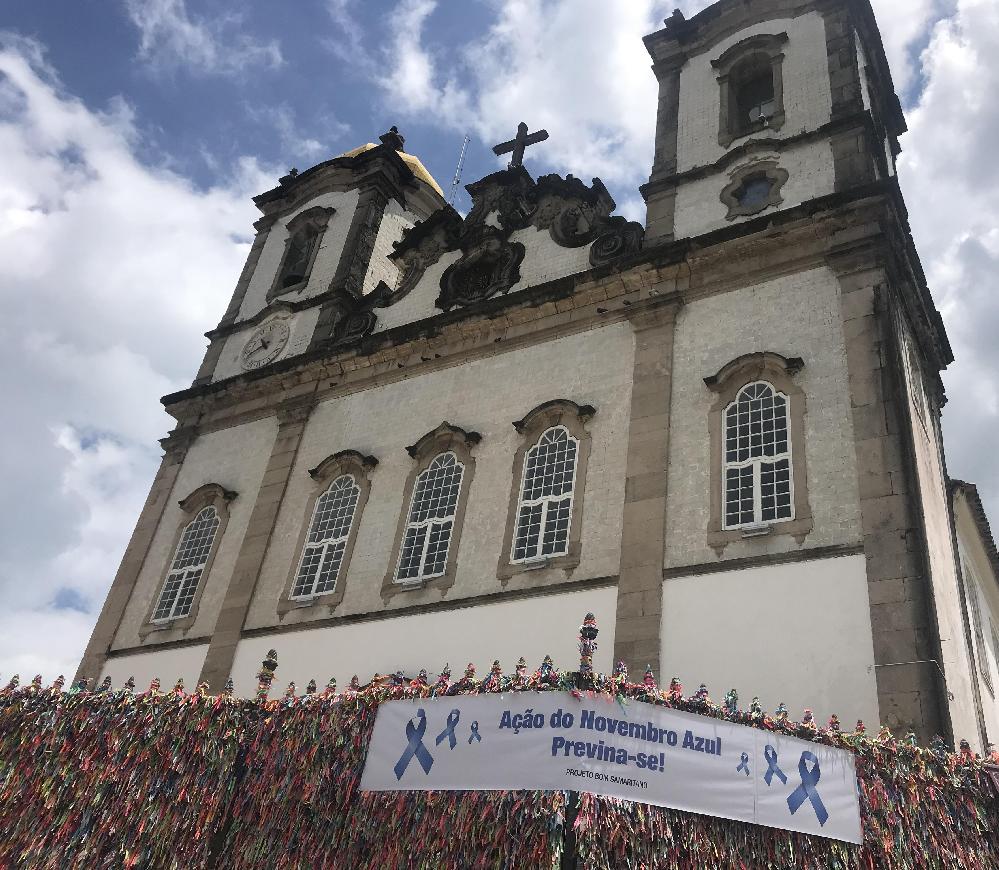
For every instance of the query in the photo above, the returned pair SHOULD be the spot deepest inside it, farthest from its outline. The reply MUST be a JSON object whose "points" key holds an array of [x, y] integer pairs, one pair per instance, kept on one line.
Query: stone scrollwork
{"points": [[489, 267], [573, 213], [618, 238]]}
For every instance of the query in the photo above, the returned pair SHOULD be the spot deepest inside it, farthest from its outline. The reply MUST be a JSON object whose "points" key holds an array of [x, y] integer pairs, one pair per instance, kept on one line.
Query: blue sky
{"points": [[134, 132]]}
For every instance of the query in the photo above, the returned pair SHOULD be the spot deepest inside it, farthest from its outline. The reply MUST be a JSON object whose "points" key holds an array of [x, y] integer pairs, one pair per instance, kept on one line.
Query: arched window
{"points": [[753, 87], [425, 552], [189, 562], [758, 482], [305, 232], [546, 497], [431, 519], [329, 530], [330, 520], [298, 258], [750, 80], [545, 514]]}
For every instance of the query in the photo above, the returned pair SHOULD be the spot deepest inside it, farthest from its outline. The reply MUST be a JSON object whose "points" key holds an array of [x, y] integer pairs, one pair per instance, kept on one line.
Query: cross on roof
{"points": [[518, 144]]}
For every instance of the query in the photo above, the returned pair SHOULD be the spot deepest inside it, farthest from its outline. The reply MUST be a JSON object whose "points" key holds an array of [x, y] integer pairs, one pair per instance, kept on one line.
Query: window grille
{"points": [[322, 555], [757, 458], [188, 565], [299, 257], [431, 520], [545, 505]]}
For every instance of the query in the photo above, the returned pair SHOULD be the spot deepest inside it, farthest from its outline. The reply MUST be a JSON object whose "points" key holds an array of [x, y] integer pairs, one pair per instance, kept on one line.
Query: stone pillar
{"points": [[905, 652], [643, 537], [292, 418], [660, 191], [175, 446]]}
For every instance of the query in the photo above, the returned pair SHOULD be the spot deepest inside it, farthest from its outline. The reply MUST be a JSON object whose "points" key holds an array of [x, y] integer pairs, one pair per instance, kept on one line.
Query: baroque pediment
{"points": [[573, 213]]}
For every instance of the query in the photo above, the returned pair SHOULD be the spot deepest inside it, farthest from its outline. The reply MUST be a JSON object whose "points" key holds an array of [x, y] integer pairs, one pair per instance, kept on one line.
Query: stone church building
{"points": [[421, 438]]}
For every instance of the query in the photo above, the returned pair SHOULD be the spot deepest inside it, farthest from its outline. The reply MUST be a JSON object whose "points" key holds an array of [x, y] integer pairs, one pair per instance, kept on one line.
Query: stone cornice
{"points": [[755, 144], [860, 224]]}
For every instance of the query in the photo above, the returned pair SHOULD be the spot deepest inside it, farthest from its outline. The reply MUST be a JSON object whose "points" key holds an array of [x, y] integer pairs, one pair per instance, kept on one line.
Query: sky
{"points": [[134, 132]]}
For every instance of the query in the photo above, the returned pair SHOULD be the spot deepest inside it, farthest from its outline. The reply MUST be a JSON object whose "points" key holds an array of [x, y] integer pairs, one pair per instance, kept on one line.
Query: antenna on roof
{"points": [[457, 171]]}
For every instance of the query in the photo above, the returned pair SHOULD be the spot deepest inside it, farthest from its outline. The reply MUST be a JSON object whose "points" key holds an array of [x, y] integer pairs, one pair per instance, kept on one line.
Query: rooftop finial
{"points": [[393, 139], [519, 143]]}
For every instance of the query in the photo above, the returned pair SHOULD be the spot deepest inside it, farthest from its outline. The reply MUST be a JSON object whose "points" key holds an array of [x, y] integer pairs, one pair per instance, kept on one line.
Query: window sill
{"points": [[328, 600], [798, 528], [774, 122], [392, 587], [506, 569], [181, 623]]}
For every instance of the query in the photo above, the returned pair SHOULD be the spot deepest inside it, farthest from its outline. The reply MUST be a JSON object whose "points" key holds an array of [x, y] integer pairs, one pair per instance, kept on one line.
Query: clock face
{"points": [[265, 344]]}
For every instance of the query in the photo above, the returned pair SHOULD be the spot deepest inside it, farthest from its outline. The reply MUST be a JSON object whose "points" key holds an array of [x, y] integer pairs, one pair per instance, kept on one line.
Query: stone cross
{"points": [[518, 145]]}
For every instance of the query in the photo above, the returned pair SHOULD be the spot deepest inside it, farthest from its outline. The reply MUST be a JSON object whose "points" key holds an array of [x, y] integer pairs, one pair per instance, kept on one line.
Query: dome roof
{"points": [[411, 160]]}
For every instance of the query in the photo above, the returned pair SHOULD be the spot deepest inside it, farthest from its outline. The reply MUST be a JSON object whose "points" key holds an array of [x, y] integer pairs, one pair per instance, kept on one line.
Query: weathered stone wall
{"points": [[699, 207], [182, 662], [484, 395], [235, 458], [327, 258], [394, 220], [796, 633], [530, 627], [933, 503], [807, 94], [795, 316], [976, 562]]}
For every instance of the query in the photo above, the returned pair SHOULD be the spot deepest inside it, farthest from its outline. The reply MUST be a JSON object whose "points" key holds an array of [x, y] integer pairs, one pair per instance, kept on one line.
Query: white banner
{"points": [[553, 741]]}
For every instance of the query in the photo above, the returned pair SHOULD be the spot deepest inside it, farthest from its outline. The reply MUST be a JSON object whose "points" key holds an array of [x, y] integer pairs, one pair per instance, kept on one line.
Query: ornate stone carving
{"points": [[420, 247], [489, 267], [351, 319], [502, 203], [619, 237]]}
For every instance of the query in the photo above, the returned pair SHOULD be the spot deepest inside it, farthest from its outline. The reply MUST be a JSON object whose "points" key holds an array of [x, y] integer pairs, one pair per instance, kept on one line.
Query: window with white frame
{"points": [[329, 530], [431, 520], [757, 458], [545, 505], [188, 565]]}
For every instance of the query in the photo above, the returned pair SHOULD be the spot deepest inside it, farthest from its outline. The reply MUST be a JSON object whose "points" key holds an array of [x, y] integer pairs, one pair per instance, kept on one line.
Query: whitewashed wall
{"points": [[235, 458], [326, 259], [486, 396], [168, 664], [807, 95], [795, 316], [699, 207], [532, 627], [798, 633], [302, 325]]}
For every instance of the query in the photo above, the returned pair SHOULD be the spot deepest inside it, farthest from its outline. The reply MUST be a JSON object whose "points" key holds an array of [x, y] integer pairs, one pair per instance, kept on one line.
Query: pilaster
{"points": [[909, 677], [643, 538], [292, 416], [175, 446]]}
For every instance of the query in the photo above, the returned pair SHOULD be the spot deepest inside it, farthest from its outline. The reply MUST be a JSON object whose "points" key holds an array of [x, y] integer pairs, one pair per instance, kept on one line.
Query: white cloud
{"points": [[172, 39], [949, 175], [294, 142], [577, 68], [110, 270]]}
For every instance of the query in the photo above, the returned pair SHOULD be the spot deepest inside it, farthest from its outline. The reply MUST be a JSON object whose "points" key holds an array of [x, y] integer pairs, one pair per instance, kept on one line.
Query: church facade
{"points": [[419, 437]]}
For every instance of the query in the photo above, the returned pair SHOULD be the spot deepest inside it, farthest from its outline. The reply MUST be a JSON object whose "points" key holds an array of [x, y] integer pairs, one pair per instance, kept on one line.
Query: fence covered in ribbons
{"points": [[115, 778]]}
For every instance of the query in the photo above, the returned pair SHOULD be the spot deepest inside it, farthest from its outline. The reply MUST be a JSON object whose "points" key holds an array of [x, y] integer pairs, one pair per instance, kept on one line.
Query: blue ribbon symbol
{"points": [[743, 764], [415, 737], [448, 732], [475, 732], [771, 756], [809, 779]]}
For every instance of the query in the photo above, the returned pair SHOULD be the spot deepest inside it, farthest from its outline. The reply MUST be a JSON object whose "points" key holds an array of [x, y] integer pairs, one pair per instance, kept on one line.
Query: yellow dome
{"points": [[411, 160]]}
